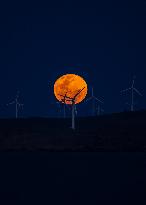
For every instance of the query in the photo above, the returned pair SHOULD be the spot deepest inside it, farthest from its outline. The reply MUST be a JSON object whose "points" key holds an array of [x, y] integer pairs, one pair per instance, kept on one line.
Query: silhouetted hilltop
{"points": [[124, 131]]}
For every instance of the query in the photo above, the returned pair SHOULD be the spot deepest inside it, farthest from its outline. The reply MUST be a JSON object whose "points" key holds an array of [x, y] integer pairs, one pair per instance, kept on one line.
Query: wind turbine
{"points": [[63, 100], [132, 89], [73, 101], [94, 99], [17, 104]]}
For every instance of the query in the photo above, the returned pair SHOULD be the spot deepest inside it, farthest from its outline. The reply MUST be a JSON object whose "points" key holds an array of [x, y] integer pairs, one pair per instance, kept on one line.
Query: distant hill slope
{"points": [[116, 132]]}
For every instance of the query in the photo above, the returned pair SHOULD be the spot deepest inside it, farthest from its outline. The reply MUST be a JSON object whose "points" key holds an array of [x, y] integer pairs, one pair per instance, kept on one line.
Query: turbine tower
{"points": [[73, 101], [133, 90], [94, 99], [17, 104], [99, 110]]}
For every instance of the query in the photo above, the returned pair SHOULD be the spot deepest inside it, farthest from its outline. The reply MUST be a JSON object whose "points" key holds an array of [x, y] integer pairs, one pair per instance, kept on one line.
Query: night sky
{"points": [[103, 41]]}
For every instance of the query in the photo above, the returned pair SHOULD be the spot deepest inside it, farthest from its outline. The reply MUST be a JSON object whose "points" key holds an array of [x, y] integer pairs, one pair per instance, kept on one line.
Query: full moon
{"points": [[70, 85]]}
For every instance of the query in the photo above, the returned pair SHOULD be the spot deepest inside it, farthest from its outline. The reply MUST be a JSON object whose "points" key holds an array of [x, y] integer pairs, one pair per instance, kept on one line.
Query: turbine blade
{"points": [[137, 92], [79, 92], [13, 102], [73, 97], [64, 96], [98, 100], [125, 90]]}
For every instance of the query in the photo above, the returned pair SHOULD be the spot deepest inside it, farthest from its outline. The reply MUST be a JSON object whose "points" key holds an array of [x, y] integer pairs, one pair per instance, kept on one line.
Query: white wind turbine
{"points": [[73, 101], [133, 90], [17, 104], [94, 99]]}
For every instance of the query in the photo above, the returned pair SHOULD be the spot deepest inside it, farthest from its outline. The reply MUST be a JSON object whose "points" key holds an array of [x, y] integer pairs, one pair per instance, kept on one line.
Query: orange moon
{"points": [[70, 84]]}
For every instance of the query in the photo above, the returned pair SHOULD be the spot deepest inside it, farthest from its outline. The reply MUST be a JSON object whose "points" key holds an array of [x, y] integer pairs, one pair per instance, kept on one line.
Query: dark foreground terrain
{"points": [[77, 177], [116, 132], [72, 178]]}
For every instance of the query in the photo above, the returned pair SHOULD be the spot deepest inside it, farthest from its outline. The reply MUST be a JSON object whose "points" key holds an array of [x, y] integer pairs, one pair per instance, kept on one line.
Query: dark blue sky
{"points": [[103, 41]]}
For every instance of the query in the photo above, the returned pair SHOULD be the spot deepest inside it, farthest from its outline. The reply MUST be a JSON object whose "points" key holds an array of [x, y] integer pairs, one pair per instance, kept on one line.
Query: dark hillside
{"points": [[116, 132]]}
